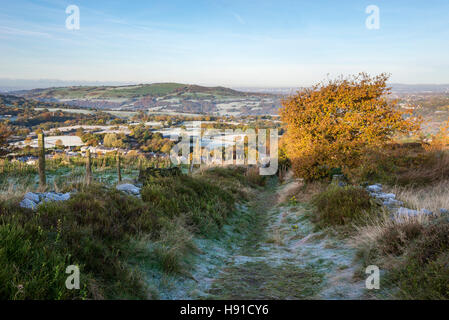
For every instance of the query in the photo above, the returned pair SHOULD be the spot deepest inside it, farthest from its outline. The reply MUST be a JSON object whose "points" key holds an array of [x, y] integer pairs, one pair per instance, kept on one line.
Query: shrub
{"points": [[396, 237], [433, 166], [31, 267], [341, 205], [90, 230], [403, 164], [433, 242], [204, 206], [423, 282], [413, 251], [332, 124], [425, 273]]}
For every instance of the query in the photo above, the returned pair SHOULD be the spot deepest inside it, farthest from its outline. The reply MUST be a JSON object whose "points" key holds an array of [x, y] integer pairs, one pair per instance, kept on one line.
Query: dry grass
{"points": [[431, 197], [430, 167], [404, 164], [342, 206], [374, 227], [413, 251], [13, 191], [174, 245], [253, 176], [290, 188], [306, 191], [379, 229]]}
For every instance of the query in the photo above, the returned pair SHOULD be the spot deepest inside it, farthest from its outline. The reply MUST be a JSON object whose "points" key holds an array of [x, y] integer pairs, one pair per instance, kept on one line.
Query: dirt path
{"points": [[283, 258], [269, 250]]}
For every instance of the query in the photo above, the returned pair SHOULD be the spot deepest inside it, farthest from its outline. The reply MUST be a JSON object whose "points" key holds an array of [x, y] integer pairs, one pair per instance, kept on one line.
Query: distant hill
{"points": [[420, 88], [161, 98], [128, 91]]}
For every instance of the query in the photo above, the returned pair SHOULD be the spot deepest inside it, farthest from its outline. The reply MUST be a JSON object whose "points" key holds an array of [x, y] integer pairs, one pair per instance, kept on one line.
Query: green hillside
{"points": [[127, 92]]}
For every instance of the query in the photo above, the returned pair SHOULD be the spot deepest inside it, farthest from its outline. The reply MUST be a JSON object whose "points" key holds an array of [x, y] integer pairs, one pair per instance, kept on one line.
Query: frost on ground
{"points": [[206, 265], [290, 260], [268, 251]]}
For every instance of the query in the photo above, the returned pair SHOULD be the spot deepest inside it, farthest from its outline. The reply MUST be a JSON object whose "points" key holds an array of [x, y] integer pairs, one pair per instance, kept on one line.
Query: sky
{"points": [[218, 42]]}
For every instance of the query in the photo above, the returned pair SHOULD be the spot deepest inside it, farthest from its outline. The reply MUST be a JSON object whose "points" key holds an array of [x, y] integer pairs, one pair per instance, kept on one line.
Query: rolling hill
{"points": [[160, 98]]}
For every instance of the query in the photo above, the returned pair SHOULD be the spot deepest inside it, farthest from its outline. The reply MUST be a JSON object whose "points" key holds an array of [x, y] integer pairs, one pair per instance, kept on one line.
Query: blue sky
{"points": [[220, 42]]}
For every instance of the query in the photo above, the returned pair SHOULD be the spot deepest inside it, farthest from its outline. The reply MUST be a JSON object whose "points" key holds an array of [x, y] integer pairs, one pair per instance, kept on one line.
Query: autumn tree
{"points": [[113, 140], [59, 144], [440, 140], [333, 124]]}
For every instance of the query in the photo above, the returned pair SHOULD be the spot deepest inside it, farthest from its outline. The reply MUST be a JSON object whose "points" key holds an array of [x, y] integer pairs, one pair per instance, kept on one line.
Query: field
{"points": [[160, 98]]}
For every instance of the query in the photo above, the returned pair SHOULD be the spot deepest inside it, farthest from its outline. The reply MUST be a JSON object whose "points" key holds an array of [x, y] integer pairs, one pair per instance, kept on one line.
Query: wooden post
{"points": [[119, 172], [140, 163], [41, 153], [88, 167], [140, 167], [196, 154]]}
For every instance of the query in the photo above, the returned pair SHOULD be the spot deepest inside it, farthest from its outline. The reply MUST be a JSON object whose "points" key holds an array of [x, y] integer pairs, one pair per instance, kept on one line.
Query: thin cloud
{"points": [[238, 18], [20, 32]]}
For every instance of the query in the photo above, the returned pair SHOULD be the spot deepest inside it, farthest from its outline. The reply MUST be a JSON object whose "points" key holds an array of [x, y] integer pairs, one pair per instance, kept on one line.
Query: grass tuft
{"points": [[341, 205]]}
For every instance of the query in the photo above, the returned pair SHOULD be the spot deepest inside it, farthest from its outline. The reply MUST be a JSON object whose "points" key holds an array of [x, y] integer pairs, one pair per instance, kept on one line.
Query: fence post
{"points": [[140, 163], [41, 154], [119, 171], [88, 167]]}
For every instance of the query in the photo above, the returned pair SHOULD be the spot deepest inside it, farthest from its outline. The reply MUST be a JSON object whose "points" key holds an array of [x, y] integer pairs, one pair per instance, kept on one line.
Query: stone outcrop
{"points": [[128, 188], [32, 200], [389, 201]]}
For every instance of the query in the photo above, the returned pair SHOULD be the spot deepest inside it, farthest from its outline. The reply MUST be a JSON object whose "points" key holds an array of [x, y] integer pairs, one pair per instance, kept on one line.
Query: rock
{"points": [[425, 211], [32, 200], [52, 196], [386, 199], [65, 196], [410, 212], [32, 196], [391, 203], [385, 196], [129, 188], [406, 212], [444, 211], [27, 203], [376, 188]]}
